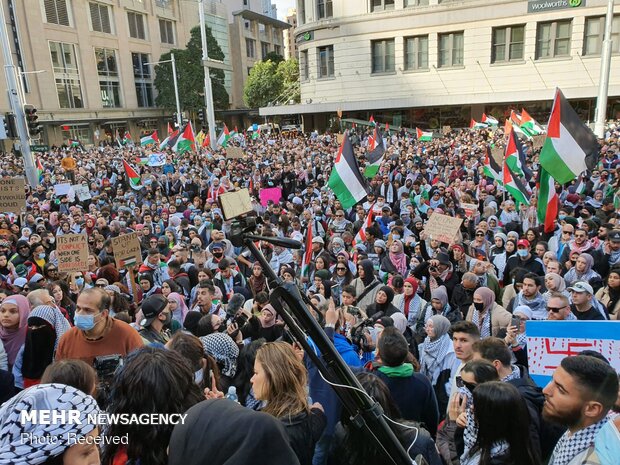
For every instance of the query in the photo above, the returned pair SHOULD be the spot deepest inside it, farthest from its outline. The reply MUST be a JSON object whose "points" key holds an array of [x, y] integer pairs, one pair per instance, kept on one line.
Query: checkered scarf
{"points": [[31, 444], [223, 349], [516, 374], [570, 445], [485, 325]]}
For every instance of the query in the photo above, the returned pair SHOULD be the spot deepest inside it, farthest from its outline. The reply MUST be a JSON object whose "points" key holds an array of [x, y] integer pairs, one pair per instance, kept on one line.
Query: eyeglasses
{"points": [[341, 269], [479, 234], [339, 216], [554, 309], [566, 232], [52, 270]]}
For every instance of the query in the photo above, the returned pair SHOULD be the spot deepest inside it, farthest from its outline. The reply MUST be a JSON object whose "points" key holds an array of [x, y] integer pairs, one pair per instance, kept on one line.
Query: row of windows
{"points": [[552, 41], [250, 49], [101, 20], [68, 84]]}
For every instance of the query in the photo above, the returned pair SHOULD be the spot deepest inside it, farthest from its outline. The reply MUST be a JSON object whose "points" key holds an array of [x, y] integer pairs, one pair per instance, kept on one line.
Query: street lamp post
{"points": [[207, 84], [176, 87], [603, 87]]}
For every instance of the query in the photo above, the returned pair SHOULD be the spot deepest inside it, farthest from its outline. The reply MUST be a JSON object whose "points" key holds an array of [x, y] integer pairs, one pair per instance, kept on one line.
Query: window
{"points": [[301, 12], [57, 12], [100, 17], [382, 55], [324, 9], [144, 79], [553, 39], [407, 3], [277, 49], [261, 28], [66, 75], [166, 31], [380, 5], [247, 24], [326, 61], [109, 83], [246, 2], [136, 25], [264, 49], [416, 53], [250, 48], [507, 44], [451, 49], [595, 33], [304, 69]]}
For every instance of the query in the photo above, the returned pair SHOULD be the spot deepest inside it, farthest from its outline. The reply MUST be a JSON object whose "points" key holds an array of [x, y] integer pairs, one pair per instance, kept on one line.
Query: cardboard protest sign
{"points": [[498, 155], [126, 250], [12, 195], [81, 192], [548, 342], [72, 252], [444, 228], [538, 141], [234, 152], [272, 193], [471, 209]]}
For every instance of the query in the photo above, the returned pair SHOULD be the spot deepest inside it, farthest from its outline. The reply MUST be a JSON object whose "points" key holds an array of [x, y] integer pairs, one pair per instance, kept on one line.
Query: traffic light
{"points": [[32, 121], [10, 127], [201, 115]]}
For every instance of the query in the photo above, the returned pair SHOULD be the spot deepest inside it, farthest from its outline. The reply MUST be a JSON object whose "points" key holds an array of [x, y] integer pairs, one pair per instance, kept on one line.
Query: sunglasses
{"points": [[479, 234], [341, 269], [461, 383], [566, 232], [554, 309]]}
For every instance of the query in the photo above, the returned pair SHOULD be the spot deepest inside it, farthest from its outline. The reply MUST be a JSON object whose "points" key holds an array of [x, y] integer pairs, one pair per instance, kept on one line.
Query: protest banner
{"points": [[443, 228], [538, 141], [72, 252], [81, 192], [156, 159], [548, 342], [62, 189], [498, 155], [234, 152], [272, 193], [12, 195], [126, 250], [471, 209]]}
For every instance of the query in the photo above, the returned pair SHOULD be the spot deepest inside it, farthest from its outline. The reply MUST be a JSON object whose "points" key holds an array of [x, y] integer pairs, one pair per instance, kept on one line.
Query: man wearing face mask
{"points": [[523, 259], [157, 316], [95, 333]]}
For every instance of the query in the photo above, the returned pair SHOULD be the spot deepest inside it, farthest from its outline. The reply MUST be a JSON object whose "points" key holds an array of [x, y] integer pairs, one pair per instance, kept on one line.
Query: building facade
{"points": [[431, 63], [290, 46]]}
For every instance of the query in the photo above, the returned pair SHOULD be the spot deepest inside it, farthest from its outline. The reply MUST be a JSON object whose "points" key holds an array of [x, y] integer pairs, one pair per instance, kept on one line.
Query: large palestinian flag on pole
{"points": [[512, 182], [346, 180], [374, 155], [134, 178], [491, 168], [186, 140], [570, 147]]}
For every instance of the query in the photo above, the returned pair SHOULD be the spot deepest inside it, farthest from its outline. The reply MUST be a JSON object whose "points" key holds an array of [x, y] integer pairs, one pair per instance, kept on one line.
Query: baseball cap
{"points": [[523, 243], [614, 236], [581, 287], [20, 282], [318, 239], [152, 306]]}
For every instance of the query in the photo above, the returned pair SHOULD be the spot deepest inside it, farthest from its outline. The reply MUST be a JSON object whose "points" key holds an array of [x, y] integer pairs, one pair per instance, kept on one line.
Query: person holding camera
{"points": [[96, 333], [157, 315]]}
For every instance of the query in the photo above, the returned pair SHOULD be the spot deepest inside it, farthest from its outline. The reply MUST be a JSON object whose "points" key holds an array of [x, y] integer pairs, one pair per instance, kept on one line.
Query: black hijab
{"points": [[369, 271], [38, 348]]}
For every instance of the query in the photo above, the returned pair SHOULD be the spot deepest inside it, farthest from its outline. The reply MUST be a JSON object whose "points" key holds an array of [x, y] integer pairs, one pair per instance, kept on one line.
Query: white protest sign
{"points": [[444, 228]]}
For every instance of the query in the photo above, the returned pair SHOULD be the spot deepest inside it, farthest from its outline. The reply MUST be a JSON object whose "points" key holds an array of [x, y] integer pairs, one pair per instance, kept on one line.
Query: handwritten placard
{"points": [[12, 195], [444, 228], [471, 209], [498, 155], [538, 141], [81, 192], [548, 342], [127, 250], [72, 253], [234, 152]]}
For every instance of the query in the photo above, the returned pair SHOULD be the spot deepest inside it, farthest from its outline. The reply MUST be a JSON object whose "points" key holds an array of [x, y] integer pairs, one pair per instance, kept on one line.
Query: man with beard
{"points": [[579, 396]]}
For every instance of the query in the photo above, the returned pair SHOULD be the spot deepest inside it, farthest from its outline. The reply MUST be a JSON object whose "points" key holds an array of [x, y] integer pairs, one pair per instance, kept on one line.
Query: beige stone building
{"points": [[290, 46], [431, 63]]}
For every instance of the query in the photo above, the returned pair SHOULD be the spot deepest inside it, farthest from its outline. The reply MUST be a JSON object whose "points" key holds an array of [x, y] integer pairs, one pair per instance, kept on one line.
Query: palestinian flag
{"points": [[206, 142], [222, 141], [516, 160], [256, 134], [307, 258], [423, 136], [170, 130], [234, 132], [170, 140], [489, 120], [529, 125], [40, 170], [476, 125], [360, 237], [127, 138], [548, 201], [134, 178], [581, 185], [74, 143], [346, 180], [374, 155], [149, 139], [570, 147], [372, 121], [185, 141], [491, 167], [514, 124], [512, 183]]}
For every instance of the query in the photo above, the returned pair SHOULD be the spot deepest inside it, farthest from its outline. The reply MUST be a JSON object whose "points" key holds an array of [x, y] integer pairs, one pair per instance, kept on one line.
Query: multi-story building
{"points": [[290, 46], [431, 63], [91, 60]]}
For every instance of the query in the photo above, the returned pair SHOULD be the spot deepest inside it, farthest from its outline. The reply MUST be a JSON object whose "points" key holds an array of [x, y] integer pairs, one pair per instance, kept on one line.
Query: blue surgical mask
{"points": [[41, 256], [522, 253], [84, 322], [395, 236], [79, 282], [561, 217]]}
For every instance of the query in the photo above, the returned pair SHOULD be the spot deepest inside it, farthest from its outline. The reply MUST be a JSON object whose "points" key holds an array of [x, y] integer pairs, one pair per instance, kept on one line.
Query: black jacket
{"points": [[304, 431], [531, 264]]}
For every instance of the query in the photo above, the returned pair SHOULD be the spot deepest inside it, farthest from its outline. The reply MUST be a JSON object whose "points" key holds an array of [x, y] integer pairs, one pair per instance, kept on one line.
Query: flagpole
{"points": [[207, 82], [603, 88], [176, 86]]}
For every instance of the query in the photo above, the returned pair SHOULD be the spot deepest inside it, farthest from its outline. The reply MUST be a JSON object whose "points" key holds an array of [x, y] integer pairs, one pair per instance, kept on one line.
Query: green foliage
{"points": [[190, 76], [271, 82], [275, 57]]}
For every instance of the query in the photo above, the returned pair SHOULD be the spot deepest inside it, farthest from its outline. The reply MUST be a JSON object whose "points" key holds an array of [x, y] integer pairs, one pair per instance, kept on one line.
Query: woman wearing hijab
{"points": [[73, 441], [439, 305], [366, 284], [257, 282], [177, 307], [409, 302], [14, 312], [582, 271], [437, 358], [395, 262], [487, 315], [554, 283], [382, 303], [46, 325], [225, 351]]}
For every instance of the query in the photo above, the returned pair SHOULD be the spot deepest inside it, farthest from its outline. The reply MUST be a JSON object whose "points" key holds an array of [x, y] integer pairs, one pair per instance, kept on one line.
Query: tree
{"points": [[190, 75], [275, 57], [270, 82]]}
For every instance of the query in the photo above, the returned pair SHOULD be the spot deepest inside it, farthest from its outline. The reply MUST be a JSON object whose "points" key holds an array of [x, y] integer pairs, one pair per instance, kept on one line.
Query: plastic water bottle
{"points": [[232, 394]]}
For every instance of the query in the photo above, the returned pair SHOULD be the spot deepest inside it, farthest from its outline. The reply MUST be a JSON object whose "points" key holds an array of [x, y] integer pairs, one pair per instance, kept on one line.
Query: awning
{"points": [[74, 124]]}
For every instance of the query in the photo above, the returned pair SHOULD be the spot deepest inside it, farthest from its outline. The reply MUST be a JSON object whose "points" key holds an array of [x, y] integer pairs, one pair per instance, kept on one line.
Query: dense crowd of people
{"points": [[436, 332]]}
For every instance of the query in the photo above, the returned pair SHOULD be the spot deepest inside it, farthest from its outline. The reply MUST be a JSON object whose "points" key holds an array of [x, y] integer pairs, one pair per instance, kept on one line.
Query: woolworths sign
{"points": [[538, 6]]}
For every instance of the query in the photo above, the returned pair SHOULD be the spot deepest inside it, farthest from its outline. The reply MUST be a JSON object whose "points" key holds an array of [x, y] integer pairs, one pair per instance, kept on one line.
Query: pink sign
{"points": [[272, 193]]}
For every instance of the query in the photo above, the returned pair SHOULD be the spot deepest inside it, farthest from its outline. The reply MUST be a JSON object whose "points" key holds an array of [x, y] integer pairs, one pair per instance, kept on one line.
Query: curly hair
{"points": [[152, 380]]}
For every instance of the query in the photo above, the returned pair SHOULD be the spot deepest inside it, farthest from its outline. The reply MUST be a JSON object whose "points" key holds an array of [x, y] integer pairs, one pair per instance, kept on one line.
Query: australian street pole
{"points": [[176, 86], [15, 101], [603, 87], [208, 89]]}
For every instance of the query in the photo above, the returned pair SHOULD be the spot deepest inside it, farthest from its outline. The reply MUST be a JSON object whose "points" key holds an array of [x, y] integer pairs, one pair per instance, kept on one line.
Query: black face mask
{"points": [[479, 306], [218, 254]]}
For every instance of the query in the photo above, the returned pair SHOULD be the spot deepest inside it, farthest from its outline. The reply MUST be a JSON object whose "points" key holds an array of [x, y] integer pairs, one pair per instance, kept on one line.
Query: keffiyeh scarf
{"points": [[223, 349], [570, 445], [32, 443], [516, 374], [485, 325], [537, 304], [432, 355]]}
